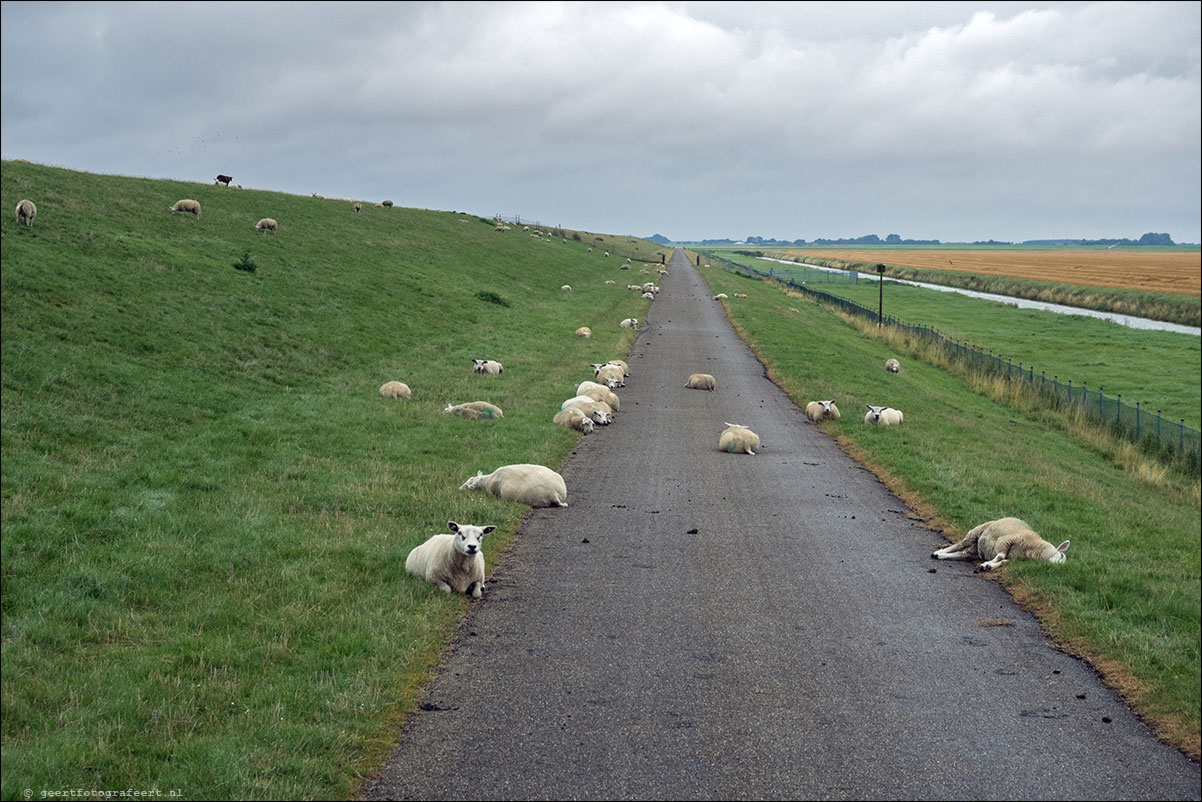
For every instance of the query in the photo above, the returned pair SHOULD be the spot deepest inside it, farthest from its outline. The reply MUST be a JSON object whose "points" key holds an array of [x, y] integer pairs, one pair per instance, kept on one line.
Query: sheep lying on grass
{"points": [[882, 416], [738, 439], [997, 541], [700, 381], [395, 390], [822, 410], [267, 224], [630, 323], [476, 410], [584, 331], [573, 418], [720, 296], [453, 562], [892, 365], [26, 211], [566, 288], [187, 206], [534, 485], [487, 367], [740, 295]]}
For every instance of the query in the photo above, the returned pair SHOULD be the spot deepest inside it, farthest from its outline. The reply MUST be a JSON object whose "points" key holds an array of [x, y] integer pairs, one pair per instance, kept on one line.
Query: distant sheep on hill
{"points": [[26, 211], [358, 207], [893, 366], [187, 206], [487, 367], [267, 224], [395, 390], [386, 204]]}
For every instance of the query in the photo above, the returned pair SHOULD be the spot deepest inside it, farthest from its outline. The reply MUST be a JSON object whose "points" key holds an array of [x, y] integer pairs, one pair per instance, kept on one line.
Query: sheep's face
{"points": [[827, 410], [874, 412], [478, 365], [1059, 556], [586, 426], [468, 537], [474, 482]]}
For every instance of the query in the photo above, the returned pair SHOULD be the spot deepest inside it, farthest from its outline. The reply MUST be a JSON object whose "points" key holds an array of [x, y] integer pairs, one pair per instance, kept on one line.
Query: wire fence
{"points": [[1151, 429]]}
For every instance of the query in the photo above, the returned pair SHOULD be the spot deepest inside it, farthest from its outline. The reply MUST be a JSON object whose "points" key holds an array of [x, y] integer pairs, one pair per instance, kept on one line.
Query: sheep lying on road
{"points": [[600, 392], [738, 439], [535, 485], [488, 367], [822, 410], [997, 541], [453, 562], [395, 390], [599, 411], [700, 381], [882, 416], [612, 375]]}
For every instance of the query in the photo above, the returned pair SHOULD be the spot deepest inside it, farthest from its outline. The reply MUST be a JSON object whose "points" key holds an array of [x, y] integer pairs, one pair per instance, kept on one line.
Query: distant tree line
{"points": [[895, 239]]}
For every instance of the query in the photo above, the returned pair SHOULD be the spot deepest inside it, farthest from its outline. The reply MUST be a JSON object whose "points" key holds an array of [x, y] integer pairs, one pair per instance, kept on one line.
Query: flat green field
{"points": [[1161, 370]]}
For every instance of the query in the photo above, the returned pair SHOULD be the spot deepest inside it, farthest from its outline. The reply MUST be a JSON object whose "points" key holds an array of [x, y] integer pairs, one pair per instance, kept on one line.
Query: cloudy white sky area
{"points": [[956, 121]]}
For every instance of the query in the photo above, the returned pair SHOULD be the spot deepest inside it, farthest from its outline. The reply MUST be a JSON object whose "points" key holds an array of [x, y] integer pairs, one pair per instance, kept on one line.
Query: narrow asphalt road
{"points": [[703, 625]]}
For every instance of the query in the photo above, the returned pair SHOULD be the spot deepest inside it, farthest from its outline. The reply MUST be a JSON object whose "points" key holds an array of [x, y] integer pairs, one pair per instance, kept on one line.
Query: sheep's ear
{"points": [[1063, 547], [488, 529], [454, 526]]}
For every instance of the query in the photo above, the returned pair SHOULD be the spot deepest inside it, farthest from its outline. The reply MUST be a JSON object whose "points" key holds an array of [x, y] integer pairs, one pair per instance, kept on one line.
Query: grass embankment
{"points": [[207, 506], [1160, 369], [1061, 286], [1127, 599]]}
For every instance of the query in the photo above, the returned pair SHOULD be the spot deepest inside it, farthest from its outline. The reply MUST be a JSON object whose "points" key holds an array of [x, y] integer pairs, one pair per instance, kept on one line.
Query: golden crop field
{"points": [[1154, 271]]}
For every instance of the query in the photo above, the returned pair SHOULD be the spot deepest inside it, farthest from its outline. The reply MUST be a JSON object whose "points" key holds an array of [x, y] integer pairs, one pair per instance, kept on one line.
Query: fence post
{"points": [[1101, 409], [1084, 392], [1181, 439], [1137, 432], [1119, 417], [1158, 425]]}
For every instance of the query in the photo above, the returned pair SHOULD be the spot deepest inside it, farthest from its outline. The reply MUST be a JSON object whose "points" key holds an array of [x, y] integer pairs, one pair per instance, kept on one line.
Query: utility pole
{"points": [[880, 307]]}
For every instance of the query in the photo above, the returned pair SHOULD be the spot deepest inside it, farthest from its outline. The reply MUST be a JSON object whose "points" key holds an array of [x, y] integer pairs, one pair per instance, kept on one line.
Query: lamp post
{"points": [[880, 308]]}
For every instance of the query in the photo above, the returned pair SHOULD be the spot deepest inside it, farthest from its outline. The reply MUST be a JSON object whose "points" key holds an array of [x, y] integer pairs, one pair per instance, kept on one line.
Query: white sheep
{"points": [[610, 281], [574, 418], [26, 211], [599, 411], [882, 416], [452, 562], [267, 224], [534, 485], [650, 296], [604, 373], [700, 381], [892, 365], [319, 196], [395, 390], [600, 392], [186, 206], [997, 541], [740, 295], [634, 287], [630, 323], [622, 364], [566, 288], [358, 207], [738, 439], [720, 296], [822, 410], [487, 367], [584, 331], [476, 410]]}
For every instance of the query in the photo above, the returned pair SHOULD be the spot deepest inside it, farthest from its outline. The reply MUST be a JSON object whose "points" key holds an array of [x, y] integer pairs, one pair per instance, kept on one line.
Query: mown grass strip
{"points": [[1127, 599], [207, 506]]}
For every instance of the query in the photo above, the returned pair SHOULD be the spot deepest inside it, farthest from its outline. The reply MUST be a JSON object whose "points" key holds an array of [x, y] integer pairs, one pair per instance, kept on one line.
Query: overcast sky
{"points": [[955, 121]]}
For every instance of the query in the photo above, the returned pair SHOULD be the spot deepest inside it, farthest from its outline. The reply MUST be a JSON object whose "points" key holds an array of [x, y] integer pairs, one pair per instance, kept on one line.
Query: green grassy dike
{"points": [[1127, 599], [206, 504]]}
